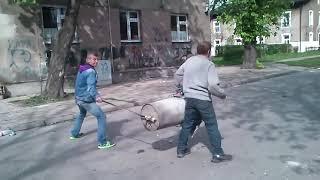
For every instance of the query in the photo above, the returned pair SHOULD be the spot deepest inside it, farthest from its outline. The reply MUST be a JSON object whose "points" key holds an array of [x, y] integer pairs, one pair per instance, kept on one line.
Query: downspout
{"points": [[110, 36]]}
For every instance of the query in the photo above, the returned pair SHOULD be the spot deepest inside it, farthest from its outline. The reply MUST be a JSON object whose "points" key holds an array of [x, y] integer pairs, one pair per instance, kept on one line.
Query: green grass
{"points": [[280, 56], [269, 58], [310, 63], [40, 100]]}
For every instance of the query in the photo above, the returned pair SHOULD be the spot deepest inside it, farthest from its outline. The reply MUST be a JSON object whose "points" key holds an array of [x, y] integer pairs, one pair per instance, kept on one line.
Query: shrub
{"points": [[232, 53], [278, 48]]}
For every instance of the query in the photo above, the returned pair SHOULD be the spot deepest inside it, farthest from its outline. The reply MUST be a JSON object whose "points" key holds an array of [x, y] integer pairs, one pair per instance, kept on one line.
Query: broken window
{"points": [[129, 26], [179, 28]]}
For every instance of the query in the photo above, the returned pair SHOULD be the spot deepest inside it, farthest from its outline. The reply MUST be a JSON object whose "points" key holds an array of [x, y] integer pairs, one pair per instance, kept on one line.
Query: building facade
{"points": [[135, 38]]}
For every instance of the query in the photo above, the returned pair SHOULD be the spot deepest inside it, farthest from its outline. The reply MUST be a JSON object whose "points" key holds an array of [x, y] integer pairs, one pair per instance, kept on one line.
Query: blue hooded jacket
{"points": [[86, 84]]}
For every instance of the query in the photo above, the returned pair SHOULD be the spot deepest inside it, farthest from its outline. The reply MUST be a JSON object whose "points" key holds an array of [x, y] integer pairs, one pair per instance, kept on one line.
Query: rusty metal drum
{"points": [[163, 113]]}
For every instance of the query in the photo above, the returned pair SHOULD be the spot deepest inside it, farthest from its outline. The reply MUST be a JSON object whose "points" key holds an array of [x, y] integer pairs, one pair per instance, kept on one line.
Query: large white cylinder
{"points": [[163, 113]]}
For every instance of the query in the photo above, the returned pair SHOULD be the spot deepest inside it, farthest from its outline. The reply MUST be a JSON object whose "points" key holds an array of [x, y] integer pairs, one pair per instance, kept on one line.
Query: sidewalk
{"points": [[124, 96]]}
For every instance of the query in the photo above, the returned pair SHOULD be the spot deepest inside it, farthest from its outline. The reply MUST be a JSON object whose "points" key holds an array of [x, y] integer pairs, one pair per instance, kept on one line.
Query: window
{"points": [[319, 19], [318, 1], [261, 40], [310, 36], [286, 19], [179, 28], [130, 26], [217, 28], [310, 18], [53, 19], [237, 41], [286, 38], [217, 42]]}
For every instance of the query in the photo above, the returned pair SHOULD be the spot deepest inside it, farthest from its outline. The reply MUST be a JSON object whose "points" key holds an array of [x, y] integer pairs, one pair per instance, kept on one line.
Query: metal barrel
{"points": [[163, 113]]}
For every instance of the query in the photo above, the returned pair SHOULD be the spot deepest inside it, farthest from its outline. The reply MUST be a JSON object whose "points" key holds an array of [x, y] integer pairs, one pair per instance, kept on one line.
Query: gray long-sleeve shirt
{"points": [[199, 78]]}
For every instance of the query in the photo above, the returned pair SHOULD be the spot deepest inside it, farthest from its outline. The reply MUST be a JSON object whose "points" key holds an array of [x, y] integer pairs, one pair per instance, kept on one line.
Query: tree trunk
{"points": [[61, 49], [250, 57]]}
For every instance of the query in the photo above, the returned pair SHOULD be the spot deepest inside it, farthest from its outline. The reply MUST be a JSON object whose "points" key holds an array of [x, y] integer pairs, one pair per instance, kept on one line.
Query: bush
{"points": [[236, 52], [277, 48], [232, 53], [219, 51]]}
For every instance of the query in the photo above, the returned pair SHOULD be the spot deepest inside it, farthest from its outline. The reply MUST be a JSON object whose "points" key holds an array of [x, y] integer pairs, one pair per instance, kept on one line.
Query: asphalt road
{"points": [[272, 128]]}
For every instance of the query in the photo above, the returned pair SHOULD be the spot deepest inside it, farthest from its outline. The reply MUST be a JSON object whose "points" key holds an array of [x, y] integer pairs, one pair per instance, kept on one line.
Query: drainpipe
{"points": [[300, 8], [110, 36]]}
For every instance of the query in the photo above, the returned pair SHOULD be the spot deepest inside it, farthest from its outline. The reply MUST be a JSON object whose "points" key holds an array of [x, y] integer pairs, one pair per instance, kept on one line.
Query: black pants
{"points": [[194, 111]]}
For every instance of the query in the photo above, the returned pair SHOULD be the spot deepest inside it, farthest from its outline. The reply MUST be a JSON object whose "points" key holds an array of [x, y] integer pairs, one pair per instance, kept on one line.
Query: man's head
{"points": [[92, 59], [204, 48]]}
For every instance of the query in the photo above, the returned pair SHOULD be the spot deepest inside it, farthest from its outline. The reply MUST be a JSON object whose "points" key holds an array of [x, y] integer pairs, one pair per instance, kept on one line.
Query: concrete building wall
{"points": [[21, 46], [155, 48]]}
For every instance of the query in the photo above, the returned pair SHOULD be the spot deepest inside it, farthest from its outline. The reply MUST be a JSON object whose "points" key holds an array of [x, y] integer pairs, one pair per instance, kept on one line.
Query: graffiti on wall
{"points": [[145, 56], [181, 54], [104, 72], [20, 56], [154, 55], [140, 57], [159, 35]]}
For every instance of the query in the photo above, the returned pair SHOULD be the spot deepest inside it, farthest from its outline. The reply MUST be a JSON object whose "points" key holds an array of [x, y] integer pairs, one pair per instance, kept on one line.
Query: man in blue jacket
{"points": [[200, 81], [86, 96]]}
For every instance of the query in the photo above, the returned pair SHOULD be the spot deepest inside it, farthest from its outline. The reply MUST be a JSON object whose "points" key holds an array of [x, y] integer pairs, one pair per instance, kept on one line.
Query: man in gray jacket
{"points": [[199, 80]]}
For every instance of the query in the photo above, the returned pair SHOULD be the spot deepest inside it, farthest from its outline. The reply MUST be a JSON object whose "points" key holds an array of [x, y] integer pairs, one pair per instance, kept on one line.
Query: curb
{"points": [[252, 80], [70, 117]]}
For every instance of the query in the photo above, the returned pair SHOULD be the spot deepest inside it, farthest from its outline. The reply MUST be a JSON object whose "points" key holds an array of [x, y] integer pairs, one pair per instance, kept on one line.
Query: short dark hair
{"points": [[92, 53], [203, 47]]}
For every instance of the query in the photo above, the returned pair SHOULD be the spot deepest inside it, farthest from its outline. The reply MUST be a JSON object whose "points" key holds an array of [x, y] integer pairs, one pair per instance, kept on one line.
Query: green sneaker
{"points": [[76, 137], [106, 145]]}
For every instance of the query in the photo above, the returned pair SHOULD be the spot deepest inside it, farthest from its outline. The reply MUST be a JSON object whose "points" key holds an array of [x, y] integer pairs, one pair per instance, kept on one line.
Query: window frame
{"points": [[318, 18], [282, 19], [310, 15], [215, 42], [129, 20], [178, 27], [214, 27], [236, 39], [310, 39], [283, 40], [261, 40], [58, 21]]}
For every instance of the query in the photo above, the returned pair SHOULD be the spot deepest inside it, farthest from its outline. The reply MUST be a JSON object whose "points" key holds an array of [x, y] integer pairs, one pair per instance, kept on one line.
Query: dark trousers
{"points": [[196, 110]]}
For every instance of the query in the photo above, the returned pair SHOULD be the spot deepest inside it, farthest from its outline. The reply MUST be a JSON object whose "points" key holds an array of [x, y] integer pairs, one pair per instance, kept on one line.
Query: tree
{"points": [[61, 46], [253, 18], [61, 50]]}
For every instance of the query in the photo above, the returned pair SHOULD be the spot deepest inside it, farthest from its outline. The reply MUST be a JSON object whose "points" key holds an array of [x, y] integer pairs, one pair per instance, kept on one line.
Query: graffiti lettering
{"points": [[19, 52], [155, 55]]}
